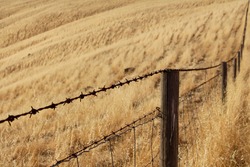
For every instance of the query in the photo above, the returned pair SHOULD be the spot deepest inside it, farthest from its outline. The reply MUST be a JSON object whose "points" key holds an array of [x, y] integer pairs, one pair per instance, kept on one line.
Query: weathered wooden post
{"points": [[169, 123], [235, 68], [241, 50], [239, 61], [224, 81], [243, 41]]}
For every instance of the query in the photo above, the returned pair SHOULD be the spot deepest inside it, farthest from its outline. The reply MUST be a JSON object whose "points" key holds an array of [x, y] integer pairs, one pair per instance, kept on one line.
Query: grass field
{"points": [[51, 50]]}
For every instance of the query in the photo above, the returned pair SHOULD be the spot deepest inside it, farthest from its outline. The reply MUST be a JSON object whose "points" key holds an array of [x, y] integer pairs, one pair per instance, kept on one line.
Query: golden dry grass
{"points": [[51, 50]]}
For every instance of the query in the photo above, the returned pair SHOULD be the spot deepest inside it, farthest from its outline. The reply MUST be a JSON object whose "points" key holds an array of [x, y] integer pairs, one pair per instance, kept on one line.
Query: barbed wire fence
{"points": [[190, 111], [82, 96]]}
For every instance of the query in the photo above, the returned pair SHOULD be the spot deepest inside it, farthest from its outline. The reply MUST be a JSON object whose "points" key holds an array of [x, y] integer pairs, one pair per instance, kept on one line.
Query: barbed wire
{"points": [[53, 105], [200, 85], [156, 113]]}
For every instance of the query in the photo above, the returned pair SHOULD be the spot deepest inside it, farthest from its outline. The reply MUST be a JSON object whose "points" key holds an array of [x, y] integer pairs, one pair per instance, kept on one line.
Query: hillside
{"points": [[52, 50]]}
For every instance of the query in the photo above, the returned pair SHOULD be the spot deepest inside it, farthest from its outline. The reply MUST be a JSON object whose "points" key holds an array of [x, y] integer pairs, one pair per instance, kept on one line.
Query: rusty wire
{"points": [[53, 105]]}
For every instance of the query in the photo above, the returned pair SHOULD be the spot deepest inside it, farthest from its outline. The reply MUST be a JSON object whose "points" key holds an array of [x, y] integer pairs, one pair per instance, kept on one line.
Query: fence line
{"points": [[72, 156], [194, 117], [105, 139], [191, 125], [150, 117], [53, 105]]}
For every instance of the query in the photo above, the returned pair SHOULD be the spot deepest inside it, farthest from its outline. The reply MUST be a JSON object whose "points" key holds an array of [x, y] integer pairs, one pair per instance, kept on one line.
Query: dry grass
{"points": [[51, 50]]}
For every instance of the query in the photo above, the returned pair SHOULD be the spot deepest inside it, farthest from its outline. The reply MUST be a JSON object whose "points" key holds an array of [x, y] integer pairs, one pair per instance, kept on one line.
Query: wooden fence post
{"points": [[243, 41], [235, 68], [241, 50], [169, 123], [239, 61], [224, 81]]}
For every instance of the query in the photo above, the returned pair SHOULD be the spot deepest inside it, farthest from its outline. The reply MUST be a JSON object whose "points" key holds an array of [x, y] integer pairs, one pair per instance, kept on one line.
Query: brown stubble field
{"points": [[51, 50]]}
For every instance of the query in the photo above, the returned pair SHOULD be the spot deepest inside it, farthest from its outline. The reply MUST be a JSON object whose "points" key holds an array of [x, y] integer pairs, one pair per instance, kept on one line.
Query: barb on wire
{"points": [[129, 127]]}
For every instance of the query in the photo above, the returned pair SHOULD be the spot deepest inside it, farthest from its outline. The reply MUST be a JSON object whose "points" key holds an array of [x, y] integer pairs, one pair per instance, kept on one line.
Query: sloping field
{"points": [[54, 49]]}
